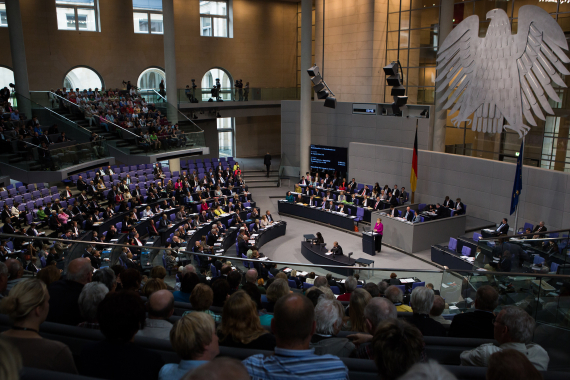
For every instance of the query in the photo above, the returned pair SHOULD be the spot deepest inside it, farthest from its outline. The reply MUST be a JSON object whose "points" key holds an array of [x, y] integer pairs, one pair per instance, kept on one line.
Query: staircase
{"points": [[256, 179]]}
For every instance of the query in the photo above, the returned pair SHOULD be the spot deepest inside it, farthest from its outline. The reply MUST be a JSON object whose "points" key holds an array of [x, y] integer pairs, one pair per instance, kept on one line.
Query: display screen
{"points": [[329, 158]]}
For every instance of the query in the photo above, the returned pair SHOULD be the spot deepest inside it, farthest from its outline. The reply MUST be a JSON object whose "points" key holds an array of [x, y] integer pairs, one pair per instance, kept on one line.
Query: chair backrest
{"points": [[335, 289], [538, 260], [360, 212], [477, 236], [416, 284], [421, 206], [466, 251], [527, 225], [292, 284], [307, 286], [452, 244], [554, 235], [401, 287], [554, 267]]}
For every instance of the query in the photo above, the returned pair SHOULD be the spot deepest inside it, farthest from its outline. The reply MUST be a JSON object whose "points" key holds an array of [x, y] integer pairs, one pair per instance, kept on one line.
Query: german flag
{"points": [[414, 173]]}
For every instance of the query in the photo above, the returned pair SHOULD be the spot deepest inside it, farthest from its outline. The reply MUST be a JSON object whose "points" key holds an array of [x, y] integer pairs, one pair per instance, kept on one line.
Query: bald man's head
{"points": [[160, 304], [251, 276], [293, 323], [80, 270]]}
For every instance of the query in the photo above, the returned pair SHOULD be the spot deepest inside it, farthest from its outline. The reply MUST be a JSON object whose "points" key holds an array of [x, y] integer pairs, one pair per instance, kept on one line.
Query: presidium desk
{"points": [[415, 237], [315, 213]]}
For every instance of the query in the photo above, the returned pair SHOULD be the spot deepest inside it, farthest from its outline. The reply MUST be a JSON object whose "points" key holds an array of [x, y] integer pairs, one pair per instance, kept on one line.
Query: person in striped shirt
{"points": [[293, 325]]}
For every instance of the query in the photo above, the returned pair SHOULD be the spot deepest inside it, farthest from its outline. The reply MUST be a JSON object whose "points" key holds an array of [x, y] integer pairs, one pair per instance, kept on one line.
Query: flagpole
{"points": [[522, 166]]}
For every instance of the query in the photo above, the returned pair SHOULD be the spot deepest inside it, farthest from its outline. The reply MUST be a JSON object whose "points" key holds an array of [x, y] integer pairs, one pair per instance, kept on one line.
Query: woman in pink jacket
{"points": [[379, 229]]}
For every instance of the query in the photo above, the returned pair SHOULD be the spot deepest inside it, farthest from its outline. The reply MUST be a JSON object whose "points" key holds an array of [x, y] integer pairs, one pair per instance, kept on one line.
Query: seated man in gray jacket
{"points": [[328, 317]]}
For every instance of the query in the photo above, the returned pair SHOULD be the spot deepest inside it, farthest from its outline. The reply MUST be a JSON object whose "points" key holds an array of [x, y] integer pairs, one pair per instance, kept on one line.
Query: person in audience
{"points": [[151, 286], [201, 299], [358, 302], [394, 280], [187, 285], [329, 314], [511, 364], [251, 277], [513, 329], [397, 346], [279, 288], [479, 323], [27, 306], [218, 369], [372, 288], [294, 325], [194, 339], [221, 289], [15, 273], [160, 308], [11, 360], [107, 277], [131, 279], [350, 284], [121, 315], [91, 296], [437, 310], [429, 370], [64, 294], [396, 296], [48, 275], [241, 327], [422, 302]]}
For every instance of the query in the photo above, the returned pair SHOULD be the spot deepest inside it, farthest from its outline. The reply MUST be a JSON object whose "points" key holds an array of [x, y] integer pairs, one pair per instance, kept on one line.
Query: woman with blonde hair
{"points": [[27, 305], [358, 301], [10, 361], [194, 339], [240, 325]]}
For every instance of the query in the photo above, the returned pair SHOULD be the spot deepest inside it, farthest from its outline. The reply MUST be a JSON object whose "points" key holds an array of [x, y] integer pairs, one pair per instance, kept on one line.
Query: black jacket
{"points": [[64, 307], [427, 326], [477, 324]]}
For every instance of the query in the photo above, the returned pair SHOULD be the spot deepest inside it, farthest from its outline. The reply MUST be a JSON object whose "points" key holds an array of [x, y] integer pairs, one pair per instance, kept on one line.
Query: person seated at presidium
{"points": [[337, 249]]}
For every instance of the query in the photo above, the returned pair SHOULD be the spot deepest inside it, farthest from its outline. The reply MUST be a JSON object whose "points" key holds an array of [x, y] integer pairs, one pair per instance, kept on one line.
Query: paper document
{"points": [[328, 253], [263, 258]]}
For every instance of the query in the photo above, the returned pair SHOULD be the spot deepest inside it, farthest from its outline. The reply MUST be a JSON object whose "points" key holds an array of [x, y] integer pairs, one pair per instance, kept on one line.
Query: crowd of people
{"points": [[302, 330]]}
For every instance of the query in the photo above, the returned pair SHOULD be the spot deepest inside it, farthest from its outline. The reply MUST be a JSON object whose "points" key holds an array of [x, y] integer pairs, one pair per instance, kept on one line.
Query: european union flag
{"points": [[517, 186]]}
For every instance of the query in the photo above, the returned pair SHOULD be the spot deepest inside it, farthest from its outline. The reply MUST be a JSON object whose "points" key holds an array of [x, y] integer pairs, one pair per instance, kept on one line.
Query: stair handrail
{"points": [[177, 110], [106, 121], [55, 113]]}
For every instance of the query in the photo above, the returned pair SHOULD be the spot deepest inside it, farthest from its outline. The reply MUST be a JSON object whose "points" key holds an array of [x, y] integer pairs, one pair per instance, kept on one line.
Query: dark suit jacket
{"points": [[337, 250], [504, 229], [426, 325], [267, 159], [410, 216], [477, 324], [538, 229], [64, 307], [449, 203]]}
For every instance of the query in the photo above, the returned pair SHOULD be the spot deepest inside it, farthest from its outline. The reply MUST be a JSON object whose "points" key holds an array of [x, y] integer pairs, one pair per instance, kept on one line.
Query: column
{"points": [[170, 60], [174, 165], [445, 27], [305, 114], [18, 50]]}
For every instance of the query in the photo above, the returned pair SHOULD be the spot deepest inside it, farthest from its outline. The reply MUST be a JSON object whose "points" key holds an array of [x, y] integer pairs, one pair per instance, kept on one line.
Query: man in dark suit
{"points": [[448, 203], [341, 209], [378, 204], [439, 211], [267, 162], [540, 227], [392, 199], [393, 212], [396, 192], [336, 249], [8, 229], [81, 185], [409, 215], [312, 201], [477, 324], [502, 229], [459, 207], [329, 206]]}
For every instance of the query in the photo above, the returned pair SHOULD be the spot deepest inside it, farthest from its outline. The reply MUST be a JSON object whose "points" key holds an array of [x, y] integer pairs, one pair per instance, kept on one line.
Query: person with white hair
{"points": [[91, 296], [107, 277], [349, 285], [329, 314], [513, 329], [422, 302]]}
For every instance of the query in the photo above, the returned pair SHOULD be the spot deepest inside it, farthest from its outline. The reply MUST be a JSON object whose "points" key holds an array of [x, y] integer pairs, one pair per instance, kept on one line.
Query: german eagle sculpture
{"points": [[502, 77]]}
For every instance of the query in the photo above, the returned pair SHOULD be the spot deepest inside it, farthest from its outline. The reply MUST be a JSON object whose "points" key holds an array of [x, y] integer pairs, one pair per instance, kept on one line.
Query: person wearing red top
{"points": [[349, 285], [204, 206], [119, 198]]}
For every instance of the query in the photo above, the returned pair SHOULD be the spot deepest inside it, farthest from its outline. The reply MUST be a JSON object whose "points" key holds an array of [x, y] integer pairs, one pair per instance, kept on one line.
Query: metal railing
{"points": [[232, 94]]}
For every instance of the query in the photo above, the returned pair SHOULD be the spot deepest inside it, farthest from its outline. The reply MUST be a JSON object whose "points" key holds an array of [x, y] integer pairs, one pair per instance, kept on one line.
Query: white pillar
{"points": [[170, 59], [440, 122], [174, 165], [18, 50], [305, 114]]}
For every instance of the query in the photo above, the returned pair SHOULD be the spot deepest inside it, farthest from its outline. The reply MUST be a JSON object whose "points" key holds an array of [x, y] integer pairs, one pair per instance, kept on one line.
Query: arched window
{"points": [[83, 78], [150, 79], [6, 77], [209, 80]]}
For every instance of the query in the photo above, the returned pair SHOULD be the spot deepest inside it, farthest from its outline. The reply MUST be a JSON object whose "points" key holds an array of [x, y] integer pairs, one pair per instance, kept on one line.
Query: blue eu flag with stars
{"points": [[517, 186]]}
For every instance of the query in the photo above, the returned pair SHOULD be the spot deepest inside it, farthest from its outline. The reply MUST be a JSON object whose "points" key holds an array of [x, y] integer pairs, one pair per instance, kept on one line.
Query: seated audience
{"points": [[358, 302], [121, 315], [241, 326], [294, 325], [422, 302], [328, 317], [91, 296], [513, 329], [27, 305], [160, 308], [201, 299], [218, 369], [511, 364], [437, 310], [396, 296], [397, 346], [107, 277], [221, 289], [49, 274], [64, 294], [187, 284], [349, 285], [479, 323], [279, 288], [152, 285], [194, 339]]}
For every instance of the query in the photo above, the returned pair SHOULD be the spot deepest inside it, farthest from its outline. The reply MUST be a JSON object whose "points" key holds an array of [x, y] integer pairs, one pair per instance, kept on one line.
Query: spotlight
{"points": [[321, 89], [314, 71], [398, 91]]}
